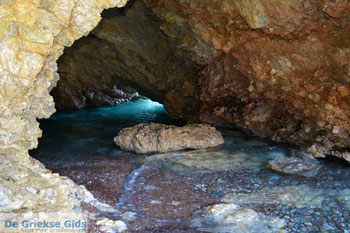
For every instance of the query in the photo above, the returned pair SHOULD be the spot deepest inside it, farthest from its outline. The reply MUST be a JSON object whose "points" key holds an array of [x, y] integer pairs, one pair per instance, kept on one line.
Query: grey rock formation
{"points": [[154, 137]]}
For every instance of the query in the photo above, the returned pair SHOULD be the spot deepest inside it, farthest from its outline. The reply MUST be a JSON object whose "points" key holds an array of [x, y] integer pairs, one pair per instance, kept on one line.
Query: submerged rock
{"points": [[296, 166], [154, 137], [233, 218], [215, 159], [299, 196]]}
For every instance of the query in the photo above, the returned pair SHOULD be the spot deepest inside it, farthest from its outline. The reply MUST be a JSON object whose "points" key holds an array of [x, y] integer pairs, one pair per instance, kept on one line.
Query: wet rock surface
{"points": [[214, 159], [296, 166], [155, 137]]}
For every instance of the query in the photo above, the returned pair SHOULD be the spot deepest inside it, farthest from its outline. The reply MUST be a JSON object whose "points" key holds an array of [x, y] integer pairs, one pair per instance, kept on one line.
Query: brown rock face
{"points": [[145, 138], [282, 69]]}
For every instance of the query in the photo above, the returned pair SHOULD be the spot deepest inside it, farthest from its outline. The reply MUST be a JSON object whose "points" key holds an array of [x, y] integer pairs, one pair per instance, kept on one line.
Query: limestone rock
{"points": [[233, 218], [32, 37], [295, 166], [31, 187], [144, 138]]}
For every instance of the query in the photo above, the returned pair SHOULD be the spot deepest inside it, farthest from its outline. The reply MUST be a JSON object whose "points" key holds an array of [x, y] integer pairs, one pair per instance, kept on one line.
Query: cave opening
{"points": [[132, 54], [106, 79]]}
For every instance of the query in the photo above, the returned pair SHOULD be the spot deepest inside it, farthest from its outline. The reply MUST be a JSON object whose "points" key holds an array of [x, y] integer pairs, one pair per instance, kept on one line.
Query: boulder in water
{"points": [[296, 166], [154, 137]]}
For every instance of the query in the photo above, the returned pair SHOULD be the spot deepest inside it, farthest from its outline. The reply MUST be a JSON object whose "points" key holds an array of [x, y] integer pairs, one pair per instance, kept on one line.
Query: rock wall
{"points": [[282, 69], [33, 35]]}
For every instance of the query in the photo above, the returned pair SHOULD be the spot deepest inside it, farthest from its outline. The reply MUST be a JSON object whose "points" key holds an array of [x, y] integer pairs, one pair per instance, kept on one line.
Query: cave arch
{"points": [[130, 49]]}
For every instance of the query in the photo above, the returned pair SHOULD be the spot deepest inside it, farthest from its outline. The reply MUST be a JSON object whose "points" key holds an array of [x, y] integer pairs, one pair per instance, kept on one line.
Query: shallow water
{"points": [[170, 192], [74, 135]]}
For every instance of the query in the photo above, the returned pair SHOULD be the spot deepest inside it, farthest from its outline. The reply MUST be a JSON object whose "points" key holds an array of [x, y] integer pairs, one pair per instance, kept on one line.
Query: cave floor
{"points": [[167, 193]]}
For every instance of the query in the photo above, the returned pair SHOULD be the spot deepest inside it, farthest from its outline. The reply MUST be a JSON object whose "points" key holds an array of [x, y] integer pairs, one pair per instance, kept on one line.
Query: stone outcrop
{"points": [[127, 49], [282, 69], [155, 137]]}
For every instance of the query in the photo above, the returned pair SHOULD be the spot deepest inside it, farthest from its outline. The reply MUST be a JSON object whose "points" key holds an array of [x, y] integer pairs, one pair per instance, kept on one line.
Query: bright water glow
{"points": [[75, 134]]}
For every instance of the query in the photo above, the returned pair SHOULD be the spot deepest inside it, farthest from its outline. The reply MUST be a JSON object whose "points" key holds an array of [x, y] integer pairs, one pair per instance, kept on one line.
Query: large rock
{"points": [[144, 138]]}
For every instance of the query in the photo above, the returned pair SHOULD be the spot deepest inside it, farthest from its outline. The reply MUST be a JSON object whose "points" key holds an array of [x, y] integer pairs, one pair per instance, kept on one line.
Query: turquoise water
{"points": [[72, 135]]}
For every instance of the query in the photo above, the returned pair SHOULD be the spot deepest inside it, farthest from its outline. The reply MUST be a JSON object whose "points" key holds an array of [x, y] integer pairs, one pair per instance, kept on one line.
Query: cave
{"points": [[273, 77]]}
